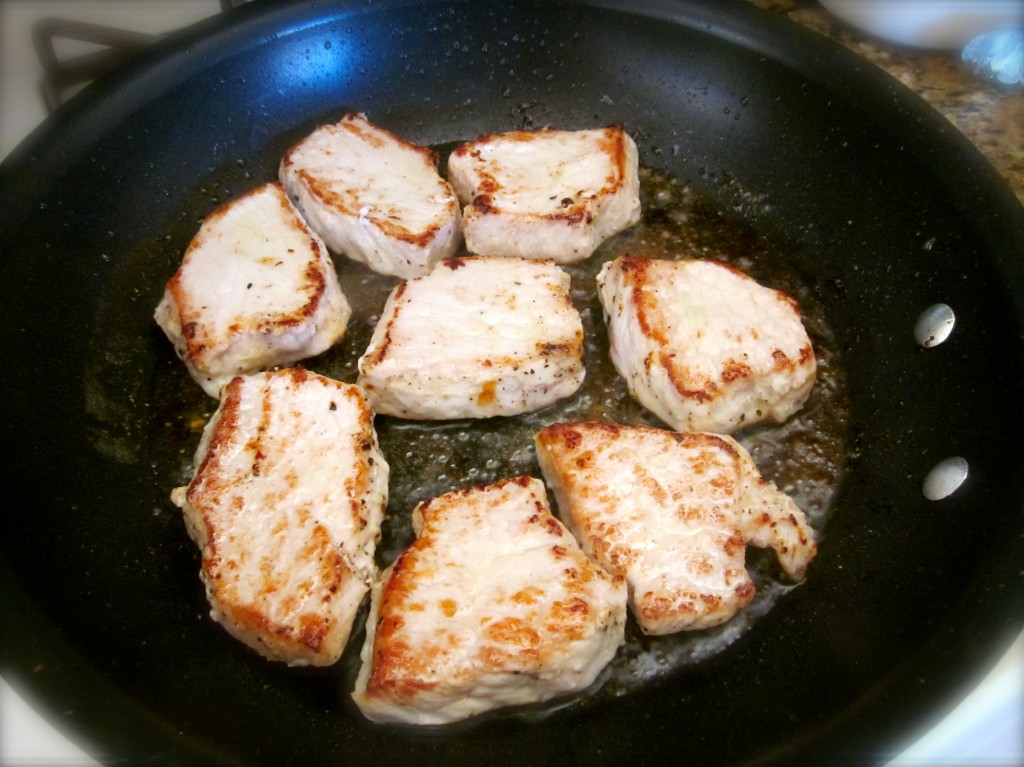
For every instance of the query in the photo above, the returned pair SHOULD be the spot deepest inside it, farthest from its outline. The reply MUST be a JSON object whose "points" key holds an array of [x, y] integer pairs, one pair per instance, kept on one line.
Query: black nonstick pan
{"points": [[867, 202]]}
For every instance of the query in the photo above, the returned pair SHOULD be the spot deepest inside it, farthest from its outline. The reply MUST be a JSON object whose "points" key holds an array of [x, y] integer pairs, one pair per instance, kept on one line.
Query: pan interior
{"points": [[806, 456], [816, 190]]}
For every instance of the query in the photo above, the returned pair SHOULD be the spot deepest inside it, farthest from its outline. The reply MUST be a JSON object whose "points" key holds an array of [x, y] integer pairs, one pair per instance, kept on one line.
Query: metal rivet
{"points": [[943, 480], [934, 325]]}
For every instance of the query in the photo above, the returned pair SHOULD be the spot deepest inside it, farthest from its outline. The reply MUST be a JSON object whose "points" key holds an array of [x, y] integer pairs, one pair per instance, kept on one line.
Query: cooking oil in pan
{"points": [[804, 457]]}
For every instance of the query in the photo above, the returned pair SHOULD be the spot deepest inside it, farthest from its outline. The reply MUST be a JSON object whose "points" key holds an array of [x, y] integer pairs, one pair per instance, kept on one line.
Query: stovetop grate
{"points": [[62, 78]]}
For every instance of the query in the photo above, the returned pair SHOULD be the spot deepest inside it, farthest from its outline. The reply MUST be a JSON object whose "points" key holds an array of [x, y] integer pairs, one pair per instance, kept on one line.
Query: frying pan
{"points": [[881, 208]]}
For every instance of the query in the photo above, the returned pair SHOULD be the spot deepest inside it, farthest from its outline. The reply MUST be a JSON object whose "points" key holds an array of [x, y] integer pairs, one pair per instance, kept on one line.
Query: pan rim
{"points": [[997, 206]]}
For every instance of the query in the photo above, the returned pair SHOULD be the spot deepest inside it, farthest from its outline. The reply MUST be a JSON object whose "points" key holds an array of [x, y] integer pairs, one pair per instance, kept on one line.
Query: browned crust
{"points": [[570, 435], [381, 352], [357, 125], [576, 211], [571, 447], [306, 635], [636, 273], [572, 348], [210, 494], [400, 671], [315, 285]]}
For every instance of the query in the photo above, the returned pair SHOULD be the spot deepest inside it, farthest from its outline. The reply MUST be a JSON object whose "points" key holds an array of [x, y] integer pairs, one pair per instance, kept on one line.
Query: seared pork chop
{"points": [[373, 197], [494, 604], [547, 193], [671, 512], [477, 337], [286, 506], [255, 289], [702, 345]]}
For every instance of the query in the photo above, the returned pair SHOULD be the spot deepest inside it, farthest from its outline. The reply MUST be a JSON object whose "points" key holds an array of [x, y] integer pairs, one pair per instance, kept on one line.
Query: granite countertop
{"points": [[990, 115]]}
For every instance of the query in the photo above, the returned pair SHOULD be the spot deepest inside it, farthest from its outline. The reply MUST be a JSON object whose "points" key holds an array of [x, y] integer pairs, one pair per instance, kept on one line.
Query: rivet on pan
{"points": [[943, 480], [934, 325]]}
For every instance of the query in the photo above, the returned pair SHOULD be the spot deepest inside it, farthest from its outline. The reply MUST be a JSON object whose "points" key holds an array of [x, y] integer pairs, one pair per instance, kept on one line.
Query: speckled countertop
{"points": [[991, 116]]}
